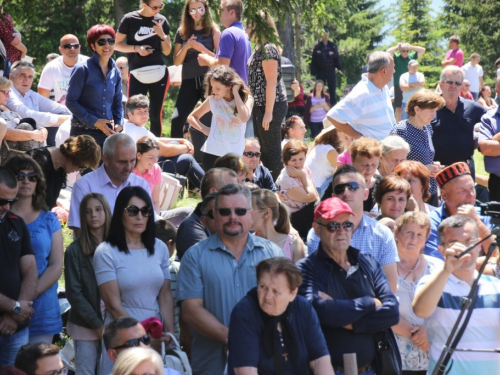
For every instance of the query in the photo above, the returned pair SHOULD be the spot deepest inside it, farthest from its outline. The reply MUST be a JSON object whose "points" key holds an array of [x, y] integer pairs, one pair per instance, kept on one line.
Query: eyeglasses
{"points": [[5, 92], [340, 188], [467, 243], [210, 214], [250, 154], [335, 227], [156, 8], [134, 211], [199, 10], [71, 45], [450, 82], [31, 176], [22, 64], [63, 371], [134, 343], [102, 42], [238, 211], [4, 201]]}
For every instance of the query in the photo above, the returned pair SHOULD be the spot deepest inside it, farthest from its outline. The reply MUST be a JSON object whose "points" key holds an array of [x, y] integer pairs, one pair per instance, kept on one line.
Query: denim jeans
{"points": [[87, 354], [10, 345], [370, 371], [404, 115]]}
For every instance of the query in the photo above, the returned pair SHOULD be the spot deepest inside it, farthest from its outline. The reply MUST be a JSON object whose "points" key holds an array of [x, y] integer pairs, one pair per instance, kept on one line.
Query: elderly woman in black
{"points": [[274, 331]]}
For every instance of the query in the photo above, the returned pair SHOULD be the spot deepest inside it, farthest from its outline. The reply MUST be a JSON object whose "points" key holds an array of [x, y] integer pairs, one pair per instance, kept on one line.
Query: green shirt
{"points": [[401, 65]]}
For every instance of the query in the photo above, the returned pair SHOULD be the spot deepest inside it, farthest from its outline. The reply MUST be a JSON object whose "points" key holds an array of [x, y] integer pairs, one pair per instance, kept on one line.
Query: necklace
{"points": [[284, 355], [412, 269]]}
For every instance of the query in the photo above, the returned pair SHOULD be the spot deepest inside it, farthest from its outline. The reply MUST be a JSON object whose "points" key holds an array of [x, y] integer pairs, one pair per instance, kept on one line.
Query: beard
{"points": [[233, 233]]}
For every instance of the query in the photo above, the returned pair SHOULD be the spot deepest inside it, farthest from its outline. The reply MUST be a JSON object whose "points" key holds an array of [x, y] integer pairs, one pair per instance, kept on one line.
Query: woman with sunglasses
{"points": [[85, 322], [95, 89], [144, 35], [132, 266], [47, 242], [317, 105], [76, 153], [196, 34]]}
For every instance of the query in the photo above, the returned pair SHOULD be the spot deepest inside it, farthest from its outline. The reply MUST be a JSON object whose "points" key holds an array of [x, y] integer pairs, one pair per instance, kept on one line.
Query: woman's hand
{"points": [[434, 168], [158, 29], [189, 145], [412, 204], [156, 343], [294, 172], [236, 89], [102, 125], [419, 337], [118, 128], [143, 50], [266, 120]]}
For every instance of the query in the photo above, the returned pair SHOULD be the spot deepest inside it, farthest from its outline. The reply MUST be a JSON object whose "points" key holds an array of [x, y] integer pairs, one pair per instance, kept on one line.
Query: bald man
{"points": [[55, 75]]}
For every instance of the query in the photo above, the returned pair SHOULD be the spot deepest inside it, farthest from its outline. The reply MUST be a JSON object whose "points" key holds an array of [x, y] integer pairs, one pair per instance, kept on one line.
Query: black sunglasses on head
{"points": [[227, 211], [71, 45], [4, 201], [132, 210], [102, 42], [134, 343], [340, 188]]}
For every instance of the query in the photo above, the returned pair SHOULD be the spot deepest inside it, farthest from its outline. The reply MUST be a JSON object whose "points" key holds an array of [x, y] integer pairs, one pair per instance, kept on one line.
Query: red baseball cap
{"points": [[330, 208]]}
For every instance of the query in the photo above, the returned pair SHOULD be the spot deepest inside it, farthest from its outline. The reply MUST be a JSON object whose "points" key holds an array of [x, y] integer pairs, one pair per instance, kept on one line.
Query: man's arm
{"points": [[419, 50], [447, 62], [345, 128], [205, 59], [44, 92], [489, 148], [202, 321], [393, 49]]}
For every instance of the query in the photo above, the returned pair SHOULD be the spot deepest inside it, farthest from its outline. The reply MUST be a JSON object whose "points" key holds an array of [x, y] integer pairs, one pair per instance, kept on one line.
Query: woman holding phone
{"points": [[147, 37]]}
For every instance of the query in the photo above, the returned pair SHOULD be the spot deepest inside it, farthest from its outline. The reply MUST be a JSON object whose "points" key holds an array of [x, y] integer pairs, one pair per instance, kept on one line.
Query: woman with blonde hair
{"points": [[271, 221], [138, 361], [85, 323], [264, 66]]}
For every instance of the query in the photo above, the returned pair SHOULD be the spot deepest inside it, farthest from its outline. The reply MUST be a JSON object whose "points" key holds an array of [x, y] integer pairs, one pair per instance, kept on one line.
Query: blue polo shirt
{"points": [[263, 179], [453, 136], [234, 45], [210, 271], [490, 125]]}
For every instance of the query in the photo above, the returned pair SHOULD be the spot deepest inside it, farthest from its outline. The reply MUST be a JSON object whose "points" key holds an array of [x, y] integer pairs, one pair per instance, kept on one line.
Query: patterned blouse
{"points": [[284, 183], [257, 80]]}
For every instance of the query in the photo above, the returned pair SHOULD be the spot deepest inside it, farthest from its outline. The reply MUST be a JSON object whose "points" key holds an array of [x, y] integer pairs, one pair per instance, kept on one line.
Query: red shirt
{"points": [[467, 95], [299, 100], [7, 36]]}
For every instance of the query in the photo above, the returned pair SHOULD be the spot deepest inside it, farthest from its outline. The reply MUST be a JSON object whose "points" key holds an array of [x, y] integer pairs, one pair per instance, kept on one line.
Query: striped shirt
{"points": [[367, 109], [482, 332]]}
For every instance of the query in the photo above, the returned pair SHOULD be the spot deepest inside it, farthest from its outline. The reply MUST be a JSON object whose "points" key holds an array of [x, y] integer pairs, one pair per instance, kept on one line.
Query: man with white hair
{"points": [[453, 126], [367, 110]]}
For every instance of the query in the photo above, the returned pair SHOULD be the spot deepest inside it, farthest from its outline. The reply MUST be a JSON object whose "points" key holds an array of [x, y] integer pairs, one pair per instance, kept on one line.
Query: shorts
{"points": [[398, 96]]}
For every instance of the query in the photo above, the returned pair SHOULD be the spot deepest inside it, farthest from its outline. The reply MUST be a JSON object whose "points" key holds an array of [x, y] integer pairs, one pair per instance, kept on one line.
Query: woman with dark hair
{"points": [[85, 322], [132, 266], [392, 194], [419, 179], [76, 153], [281, 328], [196, 34], [148, 40], [268, 89], [292, 128], [96, 78], [146, 167], [271, 221], [317, 105], [233, 162], [47, 242], [485, 98]]}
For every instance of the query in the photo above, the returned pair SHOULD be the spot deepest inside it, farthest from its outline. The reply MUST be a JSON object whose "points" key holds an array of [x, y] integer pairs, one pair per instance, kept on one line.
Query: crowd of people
{"points": [[297, 254]]}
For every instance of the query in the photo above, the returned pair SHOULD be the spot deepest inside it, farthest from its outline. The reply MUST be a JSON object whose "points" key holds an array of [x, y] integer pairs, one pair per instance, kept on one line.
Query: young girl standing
{"points": [[229, 100]]}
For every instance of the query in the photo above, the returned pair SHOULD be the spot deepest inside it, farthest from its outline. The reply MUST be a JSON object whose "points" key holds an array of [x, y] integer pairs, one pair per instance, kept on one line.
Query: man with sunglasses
{"points": [[368, 235], [257, 173], [453, 127], [55, 75], [348, 290], [40, 358], [216, 273], [18, 273]]}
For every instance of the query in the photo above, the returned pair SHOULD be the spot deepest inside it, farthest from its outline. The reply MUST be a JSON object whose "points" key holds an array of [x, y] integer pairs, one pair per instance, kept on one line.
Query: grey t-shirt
{"points": [[190, 66]]}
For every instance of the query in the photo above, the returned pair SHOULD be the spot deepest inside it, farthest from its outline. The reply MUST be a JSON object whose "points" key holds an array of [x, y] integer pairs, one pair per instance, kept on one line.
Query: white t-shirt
{"points": [[319, 165], [137, 132], [472, 74], [227, 133], [56, 76], [410, 78]]}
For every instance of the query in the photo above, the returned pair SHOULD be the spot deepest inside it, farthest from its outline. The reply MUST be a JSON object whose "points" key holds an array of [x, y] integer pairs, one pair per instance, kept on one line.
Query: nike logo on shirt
{"points": [[144, 33]]}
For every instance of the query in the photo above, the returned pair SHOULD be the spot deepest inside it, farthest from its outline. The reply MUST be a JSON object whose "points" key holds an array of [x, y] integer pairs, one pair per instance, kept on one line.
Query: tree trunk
{"points": [[298, 46], [285, 31], [119, 11]]}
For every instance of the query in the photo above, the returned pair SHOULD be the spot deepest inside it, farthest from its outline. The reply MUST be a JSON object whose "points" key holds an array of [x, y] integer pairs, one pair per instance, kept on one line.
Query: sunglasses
{"points": [[22, 64], [210, 214], [32, 176], [252, 154], [102, 42], [450, 82], [335, 227], [340, 188], [4, 201], [156, 8], [199, 10], [134, 343], [134, 211], [238, 211], [69, 46]]}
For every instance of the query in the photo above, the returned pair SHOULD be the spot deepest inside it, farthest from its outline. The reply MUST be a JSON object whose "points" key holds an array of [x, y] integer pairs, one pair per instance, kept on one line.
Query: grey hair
{"points": [[378, 60], [136, 102], [451, 69], [455, 221], [252, 140], [233, 189], [121, 139], [393, 143]]}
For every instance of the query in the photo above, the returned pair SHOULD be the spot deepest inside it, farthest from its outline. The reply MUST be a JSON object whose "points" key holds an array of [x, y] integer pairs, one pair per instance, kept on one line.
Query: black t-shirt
{"points": [[139, 32], [190, 66], [15, 243]]}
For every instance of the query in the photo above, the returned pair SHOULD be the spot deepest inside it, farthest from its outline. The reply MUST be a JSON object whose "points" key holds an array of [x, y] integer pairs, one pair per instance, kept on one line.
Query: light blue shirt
{"points": [[370, 237], [210, 271]]}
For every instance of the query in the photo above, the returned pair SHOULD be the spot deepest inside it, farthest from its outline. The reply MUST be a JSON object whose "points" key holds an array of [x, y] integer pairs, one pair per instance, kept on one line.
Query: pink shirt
{"points": [[152, 176], [344, 158], [456, 54]]}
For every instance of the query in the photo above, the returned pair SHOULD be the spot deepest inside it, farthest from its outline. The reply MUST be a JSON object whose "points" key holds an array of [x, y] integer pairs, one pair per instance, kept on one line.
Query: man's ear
{"points": [[444, 194], [442, 250], [112, 355], [366, 193], [316, 228]]}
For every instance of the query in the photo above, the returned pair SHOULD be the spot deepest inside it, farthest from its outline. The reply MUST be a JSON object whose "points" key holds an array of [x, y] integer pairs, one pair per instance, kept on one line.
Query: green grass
{"points": [[479, 161]]}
